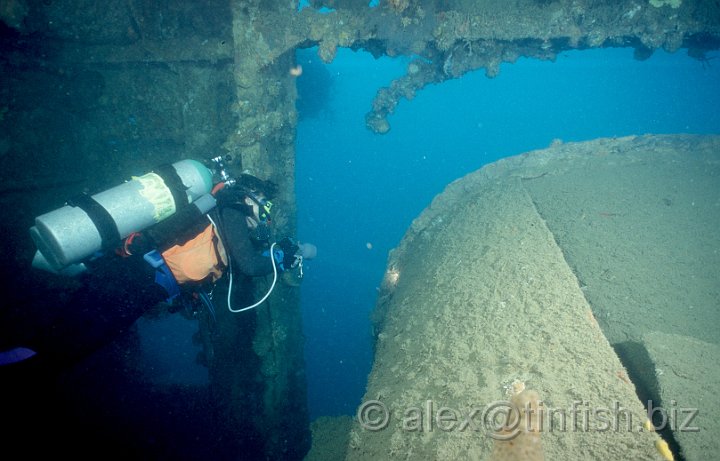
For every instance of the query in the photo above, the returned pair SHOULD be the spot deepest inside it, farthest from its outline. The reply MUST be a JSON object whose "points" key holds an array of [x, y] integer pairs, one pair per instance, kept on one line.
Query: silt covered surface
{"points": [[486, 294]]}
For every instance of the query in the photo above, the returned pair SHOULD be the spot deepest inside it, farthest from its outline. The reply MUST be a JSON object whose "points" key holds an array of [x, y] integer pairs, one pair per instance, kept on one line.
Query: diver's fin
{"points": [[15, 355]]}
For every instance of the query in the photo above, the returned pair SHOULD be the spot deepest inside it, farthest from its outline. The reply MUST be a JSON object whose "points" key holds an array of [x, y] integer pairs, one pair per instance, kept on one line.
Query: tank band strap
{"points": [[173, 182], [104, 223]]}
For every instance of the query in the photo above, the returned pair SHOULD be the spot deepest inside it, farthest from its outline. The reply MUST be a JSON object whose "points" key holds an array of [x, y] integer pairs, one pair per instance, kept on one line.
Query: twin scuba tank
{"points": [[88, 224]]}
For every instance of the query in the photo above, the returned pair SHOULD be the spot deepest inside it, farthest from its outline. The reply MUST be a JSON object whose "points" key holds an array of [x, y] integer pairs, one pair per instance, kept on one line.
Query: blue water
{"points": [[358, 192]]}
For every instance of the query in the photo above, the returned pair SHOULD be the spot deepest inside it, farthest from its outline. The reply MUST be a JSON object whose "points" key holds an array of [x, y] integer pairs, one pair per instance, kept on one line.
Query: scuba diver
{"points": [[212, 232]]}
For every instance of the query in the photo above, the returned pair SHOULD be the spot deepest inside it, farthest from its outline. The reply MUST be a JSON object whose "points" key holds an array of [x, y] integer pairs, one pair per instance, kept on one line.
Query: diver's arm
{"points": [[236, 238]]}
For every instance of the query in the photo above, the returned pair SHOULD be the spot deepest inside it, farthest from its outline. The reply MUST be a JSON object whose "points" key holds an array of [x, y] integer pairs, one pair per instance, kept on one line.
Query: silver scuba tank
{"points": [[74, 232]]}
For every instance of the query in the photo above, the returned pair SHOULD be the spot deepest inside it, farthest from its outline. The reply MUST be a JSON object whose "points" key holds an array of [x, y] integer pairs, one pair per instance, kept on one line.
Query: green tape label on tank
{"points": [[157, 193]]}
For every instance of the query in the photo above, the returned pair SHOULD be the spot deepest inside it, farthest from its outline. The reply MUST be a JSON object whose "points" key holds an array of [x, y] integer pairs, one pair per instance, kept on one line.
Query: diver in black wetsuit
{"points": [[118, 288]]}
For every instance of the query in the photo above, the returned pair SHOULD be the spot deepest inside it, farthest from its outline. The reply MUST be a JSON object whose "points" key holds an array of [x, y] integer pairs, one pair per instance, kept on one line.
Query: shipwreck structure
{"points": [[548, 274], [94, 92]]}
